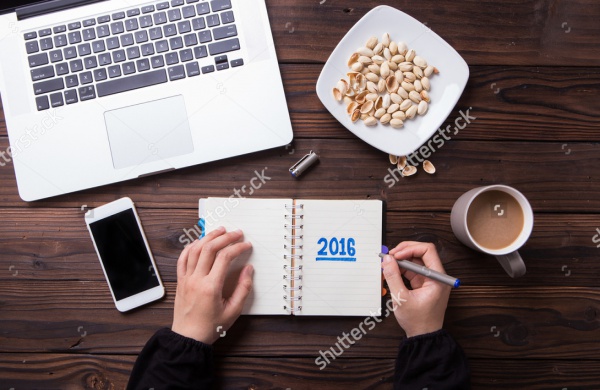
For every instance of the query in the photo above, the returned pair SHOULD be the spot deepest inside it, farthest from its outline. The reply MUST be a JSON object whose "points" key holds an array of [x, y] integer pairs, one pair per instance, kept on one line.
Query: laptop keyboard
{"points": [[141, 47]]}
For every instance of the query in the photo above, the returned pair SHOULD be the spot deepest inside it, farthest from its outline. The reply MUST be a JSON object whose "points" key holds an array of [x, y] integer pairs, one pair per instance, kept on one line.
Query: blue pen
{"points": [[422, 270]]}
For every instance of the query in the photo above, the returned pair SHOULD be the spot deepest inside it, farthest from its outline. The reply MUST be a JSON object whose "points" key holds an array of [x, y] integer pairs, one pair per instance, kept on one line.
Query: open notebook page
{"points": [[262, 221], [341, 272]]}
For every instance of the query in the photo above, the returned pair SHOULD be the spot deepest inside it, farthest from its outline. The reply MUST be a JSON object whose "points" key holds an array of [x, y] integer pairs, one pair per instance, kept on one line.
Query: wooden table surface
{"points": [[534, 89]]}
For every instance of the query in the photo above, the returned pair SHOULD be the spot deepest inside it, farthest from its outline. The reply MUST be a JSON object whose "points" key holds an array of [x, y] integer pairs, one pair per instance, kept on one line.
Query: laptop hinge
{"points": [[46, 7]]}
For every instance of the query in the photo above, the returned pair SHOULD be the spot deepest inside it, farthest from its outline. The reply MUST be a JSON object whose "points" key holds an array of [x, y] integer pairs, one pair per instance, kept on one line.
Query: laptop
{"points": [[98, 92]]}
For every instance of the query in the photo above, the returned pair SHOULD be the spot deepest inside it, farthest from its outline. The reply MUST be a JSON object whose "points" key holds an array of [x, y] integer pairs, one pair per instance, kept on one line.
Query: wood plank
{"points": [[483, 32], [64, 371], [489, 322], [53, 244], [531, 103], [540, 170]]}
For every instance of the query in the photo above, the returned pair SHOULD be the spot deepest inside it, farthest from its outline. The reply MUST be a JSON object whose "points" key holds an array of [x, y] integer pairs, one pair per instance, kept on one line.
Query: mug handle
{"points": [[513, 264]]}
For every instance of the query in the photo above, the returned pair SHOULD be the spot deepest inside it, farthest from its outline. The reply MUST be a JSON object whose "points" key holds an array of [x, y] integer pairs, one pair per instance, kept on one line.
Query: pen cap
{"points": [[305, 162]]}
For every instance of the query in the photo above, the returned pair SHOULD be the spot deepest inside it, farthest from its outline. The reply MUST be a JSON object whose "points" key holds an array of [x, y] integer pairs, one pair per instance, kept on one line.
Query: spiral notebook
{"points": [[311, 257]]}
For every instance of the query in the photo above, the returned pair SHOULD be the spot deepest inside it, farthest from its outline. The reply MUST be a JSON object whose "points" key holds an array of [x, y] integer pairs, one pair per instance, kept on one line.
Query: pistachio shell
{"points": [[370, 121], [393, 159], [342, 86], [396, 123], [371, 42], [409, 170], [428, 167], [354, 57], [378, 103], [365, 51], [379, 113], [361, 81], [355, 115], [337, 94], [401, 162], [351, 107], [411, 112], [422, 108], [361, 97], [365, 108], [420, 62], [414, 96], [399, 115], [391, 84], [405, 105], [348, 100]]}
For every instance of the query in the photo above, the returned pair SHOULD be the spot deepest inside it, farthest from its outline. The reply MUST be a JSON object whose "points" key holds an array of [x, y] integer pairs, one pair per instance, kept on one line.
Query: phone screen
{"points": [[124, 255]]}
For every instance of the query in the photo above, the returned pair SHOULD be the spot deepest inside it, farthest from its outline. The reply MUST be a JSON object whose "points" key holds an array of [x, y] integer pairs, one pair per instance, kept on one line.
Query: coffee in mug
{"points": [[496, 220]]}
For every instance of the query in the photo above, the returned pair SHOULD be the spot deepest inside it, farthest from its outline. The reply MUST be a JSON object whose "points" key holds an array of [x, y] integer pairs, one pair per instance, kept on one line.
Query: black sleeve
{"points": [[433, 361], [172, 361]]}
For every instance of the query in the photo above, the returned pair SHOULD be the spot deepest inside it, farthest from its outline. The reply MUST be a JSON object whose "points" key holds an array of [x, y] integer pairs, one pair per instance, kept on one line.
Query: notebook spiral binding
{"points": [[292, 269]]}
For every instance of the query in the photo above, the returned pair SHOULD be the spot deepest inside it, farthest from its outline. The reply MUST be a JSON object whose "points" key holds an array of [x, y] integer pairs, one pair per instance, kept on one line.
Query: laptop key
{"points": [[89, 34], [176, 43], [62, 69], [186, 55], [225, 32], [76, 65], [30, 35], [127, 40], [202, 8], [98, 46], [141, 36], [103, 19], [36, 60], [71, 81], [131, 24], [147, 9], [176, 72], [89, 22], [147, 49], [198, 24], [133, 53], [204, 36], [32, 47], [60, 40], [118, 16], [60, 29], [46, 44], [160, 18], [236, 63], [85, 78], [170, 30], [42, 103], [74, 26], [84, 49], [90, 62], [146, 21], [141, 80], [155, 33], [119, 56], [133, 12], [69, 53], [143, 65], [162, 46], [227, 17], [189, 12], [174, 15], [212, 20], [45, 32], [220, 59], [117, 28], [114, 71], [208, 69], [157, 62], [192, 69], [87, 93], [56, 100], [104, 59], [220, 5], [160, 6], [221, 47], [112, 43], [128, 68], [100, 74], [184, 27], [171, 58], [42, 73], [200, 52], [223, 66], [74, 37], [48, 86], [71, 96], [176, 3], [190, 40]]}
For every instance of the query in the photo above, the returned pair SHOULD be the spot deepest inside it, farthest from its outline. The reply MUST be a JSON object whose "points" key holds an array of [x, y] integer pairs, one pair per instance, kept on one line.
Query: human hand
{"points": [[421, 309], [201, 270]]}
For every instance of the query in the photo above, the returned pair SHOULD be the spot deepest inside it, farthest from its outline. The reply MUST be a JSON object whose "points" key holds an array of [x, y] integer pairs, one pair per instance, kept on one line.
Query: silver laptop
{"points": [[97, 92]]}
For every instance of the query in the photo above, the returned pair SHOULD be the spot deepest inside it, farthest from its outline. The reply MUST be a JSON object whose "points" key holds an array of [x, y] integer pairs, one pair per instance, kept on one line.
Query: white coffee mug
{"points": [[508, 257]]}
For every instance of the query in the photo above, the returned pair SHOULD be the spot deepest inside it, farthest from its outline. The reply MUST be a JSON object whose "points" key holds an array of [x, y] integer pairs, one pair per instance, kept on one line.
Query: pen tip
{"points": [[384, 250], [457, 283]]}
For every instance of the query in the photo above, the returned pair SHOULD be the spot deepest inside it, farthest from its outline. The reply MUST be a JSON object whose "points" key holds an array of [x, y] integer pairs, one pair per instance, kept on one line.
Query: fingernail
{"points": [[250, 270], [220, 229], [388, 259], [238, 231]]}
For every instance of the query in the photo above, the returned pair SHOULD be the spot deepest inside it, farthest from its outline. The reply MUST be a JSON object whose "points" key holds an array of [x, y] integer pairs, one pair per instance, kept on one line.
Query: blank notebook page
{"points": [[341, 272], [262, 221]]}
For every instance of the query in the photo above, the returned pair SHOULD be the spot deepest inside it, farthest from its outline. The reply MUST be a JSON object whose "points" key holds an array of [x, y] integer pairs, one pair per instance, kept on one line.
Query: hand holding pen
{"points": [[423, 307]]}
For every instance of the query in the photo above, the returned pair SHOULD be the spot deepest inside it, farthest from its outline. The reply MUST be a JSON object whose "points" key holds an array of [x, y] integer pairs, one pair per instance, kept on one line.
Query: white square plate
{"points": [[446, 87]]}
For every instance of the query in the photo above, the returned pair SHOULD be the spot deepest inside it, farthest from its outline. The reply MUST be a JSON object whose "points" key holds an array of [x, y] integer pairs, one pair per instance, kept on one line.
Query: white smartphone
{"points": [[124, 254]]}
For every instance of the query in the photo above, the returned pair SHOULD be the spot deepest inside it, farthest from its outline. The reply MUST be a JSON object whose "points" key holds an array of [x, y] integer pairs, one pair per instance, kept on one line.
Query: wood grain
{"points": [[510, 103], [552, 180], [104, 372], [79, 316], [57, 246], [483, 32]]}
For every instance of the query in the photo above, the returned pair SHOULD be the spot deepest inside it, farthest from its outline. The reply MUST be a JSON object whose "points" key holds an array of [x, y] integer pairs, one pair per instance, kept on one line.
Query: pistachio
{"points": [[387, 53], [385, 39], [411, 112], [337, 94], [393, 108], [365, 51], [408, 86], [384, 70], [373, 68], [357, 66], [354, 57], [371, 42], [401, 162], [393, 66], [418, 85], [405, 66], [405, 105], [425, 96], [425, 83], [372, 77], [378, 49], [399, 115], [396, 98], [386, 101], [385, 119], [366, 108], [381, 85], [403, 93], [373, 96], [379, 113], [393, 159], [396, 123], [355, 115], [414, 96], [370, 121], [428, 71], [420, 62], [398, 58], [372, 87], [393, 48], [409, 170], [428, 167], [377, 59], [410, 55], [422, 107], [402, 48]]}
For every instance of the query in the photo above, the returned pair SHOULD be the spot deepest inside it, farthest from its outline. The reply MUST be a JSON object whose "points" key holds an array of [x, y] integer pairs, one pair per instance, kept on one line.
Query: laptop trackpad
{"points": [[148, 132]]}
